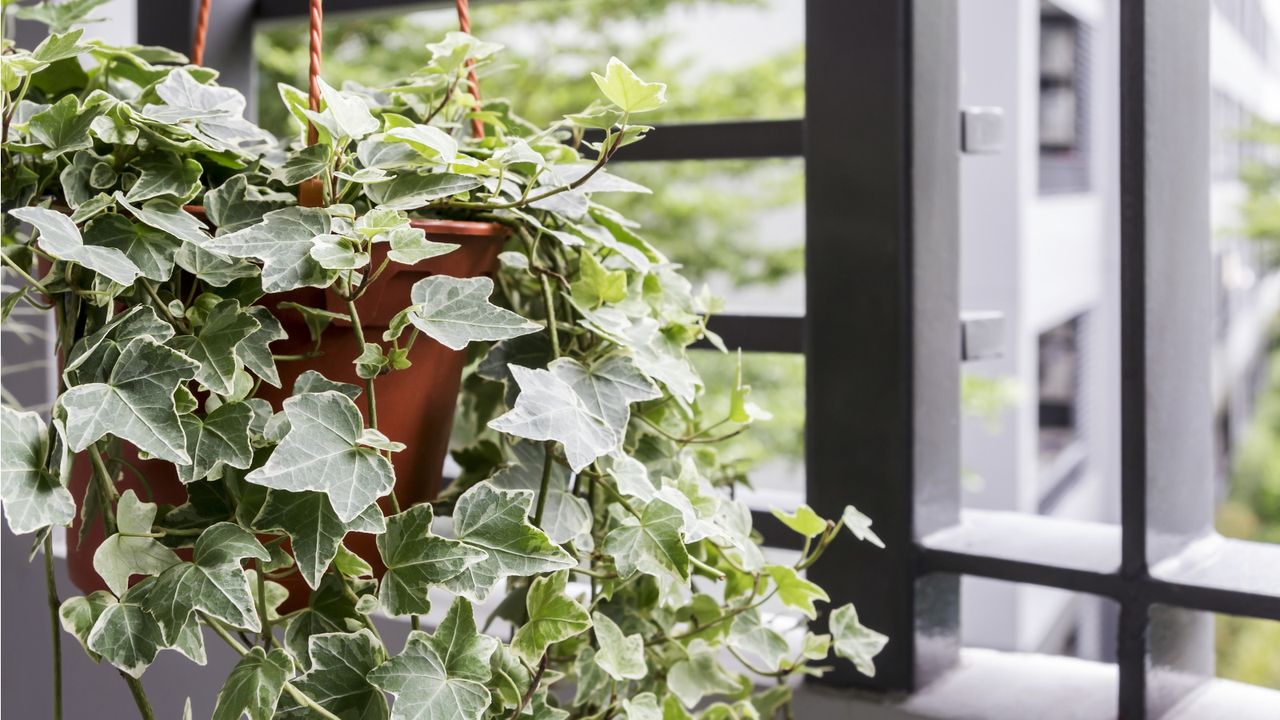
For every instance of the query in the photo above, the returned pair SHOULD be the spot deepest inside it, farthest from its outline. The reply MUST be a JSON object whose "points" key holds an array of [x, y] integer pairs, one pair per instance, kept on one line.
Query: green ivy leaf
{"points": [[442, 676], [794, 591], [165, 174], [371, 361], [255, 350], [59, 16], [700, 674], [124, 554], [214, 344], [134, 403], [314, 530], [549, 409], [860, 526], [596, 285], [804, 521], [336, 252], [313, 382], [127, 636], [553, 616], [254, 685], [456, 311], [430, 142], [61, 238], [304, 164], [322, 452], [607, 387], [213, 582], [79, 614], [282, 242], [855, 642], [409, 245], [650, 544], [151, 251], [496, 521], [345, 115], [565, 516], [338, 679], [621, 656], [642, 707], [93, 358], [626, 90], [64, 126], [168, 216], [748, 633], [235, 205], [211, 268], [33, 497], [217, 439], [416, 561], [410, 191], [331, 608]]}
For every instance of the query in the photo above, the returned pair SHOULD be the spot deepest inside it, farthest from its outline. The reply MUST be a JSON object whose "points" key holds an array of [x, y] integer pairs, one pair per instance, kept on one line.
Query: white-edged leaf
{"points": [[322, 453], [61, 238], [456, 311], [549, 409]]}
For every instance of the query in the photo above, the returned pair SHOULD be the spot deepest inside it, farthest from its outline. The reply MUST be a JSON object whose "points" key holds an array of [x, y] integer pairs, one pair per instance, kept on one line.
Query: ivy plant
{"points": [[590, 560]]}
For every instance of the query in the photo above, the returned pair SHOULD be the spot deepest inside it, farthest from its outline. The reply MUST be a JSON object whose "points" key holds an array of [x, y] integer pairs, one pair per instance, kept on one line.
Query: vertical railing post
{"points": [[882, 318], [1166, 336]]}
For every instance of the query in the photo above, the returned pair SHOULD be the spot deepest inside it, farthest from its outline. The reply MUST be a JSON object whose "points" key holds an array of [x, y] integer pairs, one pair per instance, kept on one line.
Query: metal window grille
{"points": [[882, 333]]}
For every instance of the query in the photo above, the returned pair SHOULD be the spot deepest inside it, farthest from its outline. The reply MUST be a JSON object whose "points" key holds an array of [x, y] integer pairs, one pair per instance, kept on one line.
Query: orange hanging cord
{"points": [[313, 95], [202, 31], [464, 24]]}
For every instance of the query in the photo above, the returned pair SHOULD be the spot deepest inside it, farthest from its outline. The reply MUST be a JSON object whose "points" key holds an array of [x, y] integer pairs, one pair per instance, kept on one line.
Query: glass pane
{"points": [[1038, 245], [1246, 650], [737, 225], [1244, 146], [722, 59]]}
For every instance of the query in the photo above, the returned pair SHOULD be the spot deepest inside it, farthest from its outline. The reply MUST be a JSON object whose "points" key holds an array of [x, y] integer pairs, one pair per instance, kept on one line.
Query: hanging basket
{"points": [[416, 404]]}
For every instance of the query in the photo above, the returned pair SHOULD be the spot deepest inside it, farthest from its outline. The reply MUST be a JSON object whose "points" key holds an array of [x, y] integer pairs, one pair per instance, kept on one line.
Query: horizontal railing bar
{"points": [[284, 9], [757, 333], [739, 139], [932, 560], [1112, 585]]}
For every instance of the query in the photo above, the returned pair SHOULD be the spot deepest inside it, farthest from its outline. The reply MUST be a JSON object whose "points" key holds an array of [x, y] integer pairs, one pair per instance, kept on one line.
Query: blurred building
{"points": [[1039, 241]]}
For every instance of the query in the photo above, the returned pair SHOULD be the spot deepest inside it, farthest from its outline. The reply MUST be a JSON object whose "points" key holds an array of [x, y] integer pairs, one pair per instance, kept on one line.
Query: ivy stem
{"points": [[23, 274], [706, 568], [264, 616], [52, 587], [139, 696], [164, 309], [371, 399], [299, 696], [533, 687], [106, 488], [548, 464], [549, 301]]}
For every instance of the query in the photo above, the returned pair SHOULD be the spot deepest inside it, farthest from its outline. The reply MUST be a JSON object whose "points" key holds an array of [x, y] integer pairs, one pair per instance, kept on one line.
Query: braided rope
{"points": [[464, 24], [202, 31], [313, 95]]}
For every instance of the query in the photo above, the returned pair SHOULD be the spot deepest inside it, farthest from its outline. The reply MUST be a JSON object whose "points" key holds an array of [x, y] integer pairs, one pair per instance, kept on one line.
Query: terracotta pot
{"points": [[415, 405]]}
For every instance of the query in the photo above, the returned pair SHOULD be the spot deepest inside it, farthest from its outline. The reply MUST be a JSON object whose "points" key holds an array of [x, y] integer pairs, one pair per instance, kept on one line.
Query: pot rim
{"points": [[475, 228]]}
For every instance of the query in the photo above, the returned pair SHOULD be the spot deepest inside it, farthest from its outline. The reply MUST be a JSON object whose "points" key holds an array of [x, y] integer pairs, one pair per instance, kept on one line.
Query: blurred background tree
{"points": [[1249, 650]]}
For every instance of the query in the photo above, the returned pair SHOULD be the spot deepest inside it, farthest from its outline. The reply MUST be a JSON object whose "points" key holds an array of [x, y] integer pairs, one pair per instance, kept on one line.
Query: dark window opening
{"points": [[1064, 101]]}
